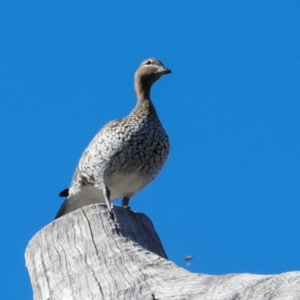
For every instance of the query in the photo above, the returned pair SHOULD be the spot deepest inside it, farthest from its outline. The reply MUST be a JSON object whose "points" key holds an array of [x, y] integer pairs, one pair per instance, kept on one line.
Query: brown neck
{"points": [[144, 102], [142, 91]]}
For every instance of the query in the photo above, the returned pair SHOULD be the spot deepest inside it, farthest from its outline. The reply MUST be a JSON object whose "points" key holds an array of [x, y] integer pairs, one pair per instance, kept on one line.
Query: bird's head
{"points": [[149, 71]]}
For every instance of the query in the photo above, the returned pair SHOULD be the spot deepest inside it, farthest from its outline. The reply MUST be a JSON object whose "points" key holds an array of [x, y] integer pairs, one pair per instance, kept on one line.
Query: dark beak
{"points": [[164, 70]]}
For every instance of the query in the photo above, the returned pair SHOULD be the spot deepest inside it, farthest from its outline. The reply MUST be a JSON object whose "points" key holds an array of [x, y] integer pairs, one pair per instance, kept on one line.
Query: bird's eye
{"points": [[148, 62]]}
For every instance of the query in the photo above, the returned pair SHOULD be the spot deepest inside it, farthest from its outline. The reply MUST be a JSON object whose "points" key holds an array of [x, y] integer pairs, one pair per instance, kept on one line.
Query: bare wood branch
{"points": [[88, 254]]}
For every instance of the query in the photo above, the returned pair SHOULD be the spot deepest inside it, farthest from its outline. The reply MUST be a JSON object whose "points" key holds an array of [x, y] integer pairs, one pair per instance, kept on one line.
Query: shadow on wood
{"points": [[87, 254]]}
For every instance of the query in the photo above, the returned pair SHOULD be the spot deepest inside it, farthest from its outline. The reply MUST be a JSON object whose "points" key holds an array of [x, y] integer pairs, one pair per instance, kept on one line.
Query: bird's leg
{"points": [[106, 193], [125, 202]]}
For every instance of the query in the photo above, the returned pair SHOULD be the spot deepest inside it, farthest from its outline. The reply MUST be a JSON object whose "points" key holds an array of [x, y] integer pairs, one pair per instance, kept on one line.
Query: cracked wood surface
{"points": [[87, 254]]}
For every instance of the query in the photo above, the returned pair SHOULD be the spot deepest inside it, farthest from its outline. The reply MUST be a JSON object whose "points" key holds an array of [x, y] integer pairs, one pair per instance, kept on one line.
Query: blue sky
{"points": [[229, 193]]}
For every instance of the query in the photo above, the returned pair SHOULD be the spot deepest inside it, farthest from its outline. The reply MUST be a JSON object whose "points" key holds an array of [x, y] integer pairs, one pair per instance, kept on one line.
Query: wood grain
{"points": [[87, 254]]}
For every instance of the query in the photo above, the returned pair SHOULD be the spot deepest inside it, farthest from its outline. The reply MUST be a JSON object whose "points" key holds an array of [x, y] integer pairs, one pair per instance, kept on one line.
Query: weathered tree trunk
{"points": [[88, 254]]}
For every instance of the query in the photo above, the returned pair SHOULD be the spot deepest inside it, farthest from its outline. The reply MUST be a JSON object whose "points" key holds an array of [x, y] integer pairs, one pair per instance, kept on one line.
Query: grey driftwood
{"points": [[87, 254]]}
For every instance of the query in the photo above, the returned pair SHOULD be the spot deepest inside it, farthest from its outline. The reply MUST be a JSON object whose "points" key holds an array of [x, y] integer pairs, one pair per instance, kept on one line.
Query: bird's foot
{"points": [[125, 202], [106, 193]]}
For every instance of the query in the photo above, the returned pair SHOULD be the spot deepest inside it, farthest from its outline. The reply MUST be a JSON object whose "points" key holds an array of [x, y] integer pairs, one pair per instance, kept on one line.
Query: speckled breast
{"points": [[143, 150]]}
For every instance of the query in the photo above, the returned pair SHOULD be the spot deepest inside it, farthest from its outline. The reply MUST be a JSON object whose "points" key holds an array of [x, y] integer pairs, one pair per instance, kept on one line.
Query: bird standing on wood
{"points": [[126, 154]]}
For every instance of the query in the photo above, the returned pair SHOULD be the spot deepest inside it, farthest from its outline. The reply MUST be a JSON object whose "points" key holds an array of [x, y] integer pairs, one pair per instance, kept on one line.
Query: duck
{"points": [[126, 154]]}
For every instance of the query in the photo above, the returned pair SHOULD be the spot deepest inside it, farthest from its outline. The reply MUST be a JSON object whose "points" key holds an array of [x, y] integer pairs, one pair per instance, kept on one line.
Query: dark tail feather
{"points": [[64, 193]]}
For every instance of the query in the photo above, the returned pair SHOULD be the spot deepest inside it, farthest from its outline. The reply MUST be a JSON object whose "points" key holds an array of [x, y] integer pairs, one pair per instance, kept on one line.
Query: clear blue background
{"points": [[229, 193]]}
